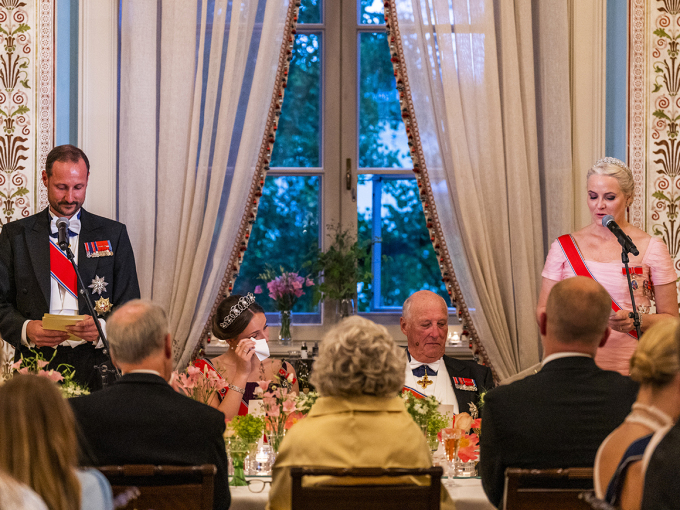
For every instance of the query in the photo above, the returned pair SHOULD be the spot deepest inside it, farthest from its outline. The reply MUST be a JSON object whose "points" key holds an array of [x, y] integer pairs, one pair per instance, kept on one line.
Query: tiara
{"points": [[613, 161], [238, 309]]}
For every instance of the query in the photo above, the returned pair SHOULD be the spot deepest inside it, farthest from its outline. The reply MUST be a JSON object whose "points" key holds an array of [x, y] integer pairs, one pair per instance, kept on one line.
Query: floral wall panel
{"points": [[26, 104], [654, 114]]}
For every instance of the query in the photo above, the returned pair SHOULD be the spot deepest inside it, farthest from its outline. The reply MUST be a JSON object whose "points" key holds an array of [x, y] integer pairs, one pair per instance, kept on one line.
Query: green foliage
{"points": [[340, 266], [248, 427]]}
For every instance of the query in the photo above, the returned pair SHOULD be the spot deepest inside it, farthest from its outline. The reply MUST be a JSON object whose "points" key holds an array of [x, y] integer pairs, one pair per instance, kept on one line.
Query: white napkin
{"points": [[261, 349]]}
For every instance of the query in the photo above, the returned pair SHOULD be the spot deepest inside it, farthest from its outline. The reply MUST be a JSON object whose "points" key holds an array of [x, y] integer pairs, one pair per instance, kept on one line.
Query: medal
{"points": [[461, 383], [424, 382], [98, 249], [98, 285], [102, 305]]}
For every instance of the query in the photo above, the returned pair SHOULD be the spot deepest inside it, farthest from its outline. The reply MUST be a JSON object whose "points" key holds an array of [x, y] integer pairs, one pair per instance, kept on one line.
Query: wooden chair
{"points": [[164, 487], [369, 495], [556, 489]]}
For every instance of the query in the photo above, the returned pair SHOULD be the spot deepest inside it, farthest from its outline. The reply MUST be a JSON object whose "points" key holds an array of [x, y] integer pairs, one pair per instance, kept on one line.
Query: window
{"points": [[341, 112]]}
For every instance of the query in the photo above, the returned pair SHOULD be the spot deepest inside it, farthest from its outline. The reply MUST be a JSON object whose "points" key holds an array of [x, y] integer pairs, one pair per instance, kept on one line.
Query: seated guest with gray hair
{"points": [[140, 419], [458, 383], [358, 421]]}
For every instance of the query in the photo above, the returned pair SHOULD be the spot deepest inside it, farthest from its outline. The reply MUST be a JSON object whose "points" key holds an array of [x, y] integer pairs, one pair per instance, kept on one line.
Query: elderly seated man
{"points": [[358, 421], [458, 383]]}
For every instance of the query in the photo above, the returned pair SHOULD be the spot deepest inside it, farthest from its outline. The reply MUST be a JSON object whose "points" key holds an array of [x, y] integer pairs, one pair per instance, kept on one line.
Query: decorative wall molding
{"points": [[654, 114], [26, 104]]}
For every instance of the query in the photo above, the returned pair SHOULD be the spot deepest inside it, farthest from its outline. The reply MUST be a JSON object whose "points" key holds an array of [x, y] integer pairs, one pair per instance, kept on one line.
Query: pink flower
{"points": [[258, 289], [52, 375], [289, 406], [193, 371], [24, 371], [309, 282], [42, 363], [263, 385], [468, 445], [268, 402], [274, 411], [17, 365]]}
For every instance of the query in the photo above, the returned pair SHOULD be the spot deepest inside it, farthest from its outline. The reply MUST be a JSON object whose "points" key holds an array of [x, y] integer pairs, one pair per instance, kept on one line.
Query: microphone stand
{"points": [[634, 314], [102, 368]]}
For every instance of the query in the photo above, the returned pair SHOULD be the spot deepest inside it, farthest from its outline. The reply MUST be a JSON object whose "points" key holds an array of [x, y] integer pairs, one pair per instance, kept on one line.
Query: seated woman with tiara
{"points": [[240, 321]]}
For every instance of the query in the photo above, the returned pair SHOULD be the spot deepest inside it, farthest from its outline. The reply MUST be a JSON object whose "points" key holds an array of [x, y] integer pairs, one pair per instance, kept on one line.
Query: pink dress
{"points": [[656, 267]]}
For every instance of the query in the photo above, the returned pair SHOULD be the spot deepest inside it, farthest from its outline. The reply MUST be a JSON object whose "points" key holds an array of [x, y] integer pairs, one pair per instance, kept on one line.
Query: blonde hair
{"points": [[359, 357], [38, 445], [617, 169], [655, 360]]}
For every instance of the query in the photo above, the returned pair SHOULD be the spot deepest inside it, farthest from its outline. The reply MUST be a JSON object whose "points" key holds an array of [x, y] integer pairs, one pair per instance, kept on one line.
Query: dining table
{"points": [[467, 494]]}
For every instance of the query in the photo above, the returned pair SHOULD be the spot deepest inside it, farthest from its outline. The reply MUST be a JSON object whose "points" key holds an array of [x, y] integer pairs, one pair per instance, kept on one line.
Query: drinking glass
{"points": [[451, 439]]}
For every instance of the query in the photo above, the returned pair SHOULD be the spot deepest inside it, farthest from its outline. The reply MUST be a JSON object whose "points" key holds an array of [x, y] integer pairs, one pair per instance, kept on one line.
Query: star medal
{"points": [[425, 382], [98, 285], [102, 305]]}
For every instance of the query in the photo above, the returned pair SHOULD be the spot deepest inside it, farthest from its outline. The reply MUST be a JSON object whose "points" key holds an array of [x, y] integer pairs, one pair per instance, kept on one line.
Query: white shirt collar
{"points": [[567, 354], [144, 371]]}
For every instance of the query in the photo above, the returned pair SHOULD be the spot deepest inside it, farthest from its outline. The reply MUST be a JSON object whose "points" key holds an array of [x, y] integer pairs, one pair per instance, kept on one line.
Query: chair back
{"points": [[163, 487], [367, 495], [556, 489]]}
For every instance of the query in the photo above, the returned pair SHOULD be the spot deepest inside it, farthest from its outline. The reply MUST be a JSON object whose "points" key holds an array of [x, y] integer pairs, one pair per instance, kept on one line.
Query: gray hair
{"points": [[359, 357], [612, 167], [136, 330]]}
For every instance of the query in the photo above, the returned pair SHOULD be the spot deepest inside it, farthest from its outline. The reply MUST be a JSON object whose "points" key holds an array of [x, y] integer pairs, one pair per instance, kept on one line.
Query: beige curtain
{"points": [[196, 82], [495, 132]]}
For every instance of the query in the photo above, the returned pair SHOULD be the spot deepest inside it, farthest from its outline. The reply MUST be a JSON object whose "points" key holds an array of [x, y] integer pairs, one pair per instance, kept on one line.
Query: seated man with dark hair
{"points": [[558, 417], [140, 419]]}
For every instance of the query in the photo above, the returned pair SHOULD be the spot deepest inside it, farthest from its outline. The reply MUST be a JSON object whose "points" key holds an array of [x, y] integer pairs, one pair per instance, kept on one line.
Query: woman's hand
{"points": [[245, 356], [620, 321]]}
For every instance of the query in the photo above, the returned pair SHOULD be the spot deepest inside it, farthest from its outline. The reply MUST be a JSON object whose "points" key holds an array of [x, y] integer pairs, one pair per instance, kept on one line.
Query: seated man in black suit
{"points": [[425, 322], [558, 417], [140, 419]]}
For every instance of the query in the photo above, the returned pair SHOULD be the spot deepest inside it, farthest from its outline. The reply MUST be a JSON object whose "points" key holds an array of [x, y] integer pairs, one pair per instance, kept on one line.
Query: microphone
{"points": [[625, 241], [62, 229]]}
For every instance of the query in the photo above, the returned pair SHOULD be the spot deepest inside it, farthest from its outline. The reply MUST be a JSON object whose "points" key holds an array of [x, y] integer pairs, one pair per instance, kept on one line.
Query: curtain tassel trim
{"points": [[469, 333]]}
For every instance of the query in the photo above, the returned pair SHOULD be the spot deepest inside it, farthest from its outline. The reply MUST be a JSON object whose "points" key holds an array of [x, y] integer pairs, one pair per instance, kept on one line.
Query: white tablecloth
{"points": [[467, 493]]}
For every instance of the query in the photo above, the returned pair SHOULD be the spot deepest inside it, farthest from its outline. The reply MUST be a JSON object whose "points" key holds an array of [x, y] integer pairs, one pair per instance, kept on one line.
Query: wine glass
{"points": [[451, 439]]}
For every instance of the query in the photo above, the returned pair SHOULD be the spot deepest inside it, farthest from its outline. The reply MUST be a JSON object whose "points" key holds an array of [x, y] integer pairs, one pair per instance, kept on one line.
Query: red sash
{"points": [[575, 259], [415, 393], [62, 270]]}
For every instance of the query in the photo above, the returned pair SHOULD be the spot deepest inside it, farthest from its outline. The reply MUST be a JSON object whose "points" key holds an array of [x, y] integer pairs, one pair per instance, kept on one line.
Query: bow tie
{"points": [[73, 227], [420, 369]]}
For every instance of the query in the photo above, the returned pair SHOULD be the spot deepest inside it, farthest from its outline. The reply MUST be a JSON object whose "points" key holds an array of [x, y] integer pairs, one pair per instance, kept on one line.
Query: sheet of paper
{"points": [[261, 349], [59, 322]]}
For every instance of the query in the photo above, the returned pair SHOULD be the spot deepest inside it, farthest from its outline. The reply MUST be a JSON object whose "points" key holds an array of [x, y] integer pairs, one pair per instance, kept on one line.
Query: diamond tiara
{"points": [[238, 309], [613, 161]]}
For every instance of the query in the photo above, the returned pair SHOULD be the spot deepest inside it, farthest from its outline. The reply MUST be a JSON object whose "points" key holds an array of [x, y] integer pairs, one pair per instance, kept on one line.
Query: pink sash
{"points": [[578, 264]]}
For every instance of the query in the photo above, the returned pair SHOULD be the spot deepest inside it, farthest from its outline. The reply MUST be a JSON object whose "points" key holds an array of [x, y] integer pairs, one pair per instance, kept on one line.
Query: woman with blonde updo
{"points": [[618, 473], [610, 191]]}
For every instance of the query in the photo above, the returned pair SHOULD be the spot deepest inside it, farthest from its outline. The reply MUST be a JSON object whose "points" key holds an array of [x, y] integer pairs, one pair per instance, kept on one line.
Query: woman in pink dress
{"points": [[610, 191]]}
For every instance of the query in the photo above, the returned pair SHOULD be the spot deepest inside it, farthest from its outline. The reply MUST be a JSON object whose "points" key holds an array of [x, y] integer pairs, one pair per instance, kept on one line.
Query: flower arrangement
{"points": [[63, 375], [285, 287], [198, 385], [248, 428], [341, 265], [468, 445], [279, 405], [425, 412], [305, 401]]}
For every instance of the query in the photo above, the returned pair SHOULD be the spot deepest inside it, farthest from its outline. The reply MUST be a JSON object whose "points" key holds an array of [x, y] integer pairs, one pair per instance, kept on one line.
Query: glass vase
{"points": [[345, 308], [238, 454], [285, 337], [274, 439]]}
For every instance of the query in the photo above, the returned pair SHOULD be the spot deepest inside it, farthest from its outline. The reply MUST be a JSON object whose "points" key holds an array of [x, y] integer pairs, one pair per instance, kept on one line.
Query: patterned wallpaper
{"points": [[26, 104]]}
